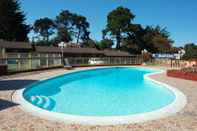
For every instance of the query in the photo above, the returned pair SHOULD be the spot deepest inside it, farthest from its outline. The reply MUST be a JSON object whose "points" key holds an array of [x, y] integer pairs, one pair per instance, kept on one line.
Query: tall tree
{"points": [[44, 27], [64, 24], [63, 35], [118, 22], [12, 25], [134, 41], [153, 39], [80, 27], [157, 39], [75, 25]]}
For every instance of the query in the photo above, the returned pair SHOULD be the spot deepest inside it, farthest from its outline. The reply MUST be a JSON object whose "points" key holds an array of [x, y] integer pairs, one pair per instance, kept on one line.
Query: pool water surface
{"points": [[116, 91]]}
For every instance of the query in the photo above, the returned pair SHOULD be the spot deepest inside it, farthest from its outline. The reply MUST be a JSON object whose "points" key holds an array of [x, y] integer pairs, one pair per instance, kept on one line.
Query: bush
{"points": [[190, 51]]}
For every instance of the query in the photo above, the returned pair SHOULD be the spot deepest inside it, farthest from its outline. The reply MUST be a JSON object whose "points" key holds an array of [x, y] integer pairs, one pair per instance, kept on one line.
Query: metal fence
{"points": [[87, 61], [17, 62]]}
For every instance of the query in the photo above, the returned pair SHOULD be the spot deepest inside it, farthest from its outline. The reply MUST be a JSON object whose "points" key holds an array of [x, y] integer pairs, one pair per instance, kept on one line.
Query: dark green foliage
{"points": [[157, 40], [63, 35], [67, 26], [153, 39], [44, 27], [74, 25], [64, 19], [101, 45], [190, 51], [128, 36], [118, 22], [80, 27], [133, 37], [134, 42], [64, 25], [89, 44], [43, 43], [12, 26], [106, 44]]}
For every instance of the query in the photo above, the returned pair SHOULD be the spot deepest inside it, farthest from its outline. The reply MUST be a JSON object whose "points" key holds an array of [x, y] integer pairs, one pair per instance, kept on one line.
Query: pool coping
{"points": [[177, 105]]}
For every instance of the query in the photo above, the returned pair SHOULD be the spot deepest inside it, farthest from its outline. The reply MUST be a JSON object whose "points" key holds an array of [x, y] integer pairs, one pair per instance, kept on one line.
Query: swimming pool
{"points": [[115, 95]]}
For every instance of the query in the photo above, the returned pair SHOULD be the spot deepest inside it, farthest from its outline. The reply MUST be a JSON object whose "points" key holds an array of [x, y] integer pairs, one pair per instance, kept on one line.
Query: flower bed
{"points": [[183, 75]]}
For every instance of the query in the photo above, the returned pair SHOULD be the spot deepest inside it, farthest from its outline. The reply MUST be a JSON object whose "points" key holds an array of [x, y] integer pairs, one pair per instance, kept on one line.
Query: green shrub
{"points": [[190, 51]]}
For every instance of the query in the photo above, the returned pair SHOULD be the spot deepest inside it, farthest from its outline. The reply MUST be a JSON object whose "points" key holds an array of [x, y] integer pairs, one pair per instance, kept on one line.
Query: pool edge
{"points": [[177, 105]]}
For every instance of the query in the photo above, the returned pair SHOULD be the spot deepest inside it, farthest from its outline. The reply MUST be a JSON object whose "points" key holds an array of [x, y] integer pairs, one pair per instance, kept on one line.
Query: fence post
{"points": [[137, 59], [30, 61], [53, 59], [47, 60], [18, 62], [39, 60], [4, 56]]}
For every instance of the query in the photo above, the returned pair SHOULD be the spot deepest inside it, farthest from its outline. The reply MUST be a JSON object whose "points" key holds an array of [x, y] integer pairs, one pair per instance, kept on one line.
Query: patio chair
{"points": [[67, 64]]}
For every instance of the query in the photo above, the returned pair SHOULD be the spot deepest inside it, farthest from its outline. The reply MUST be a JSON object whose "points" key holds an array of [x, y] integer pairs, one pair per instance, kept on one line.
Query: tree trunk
{"points": [[78, 35], [47, 37], [118, 40]]}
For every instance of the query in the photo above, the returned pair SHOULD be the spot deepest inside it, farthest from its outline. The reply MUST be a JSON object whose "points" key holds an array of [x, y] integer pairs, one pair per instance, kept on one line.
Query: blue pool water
{"points": [[100, 92]]}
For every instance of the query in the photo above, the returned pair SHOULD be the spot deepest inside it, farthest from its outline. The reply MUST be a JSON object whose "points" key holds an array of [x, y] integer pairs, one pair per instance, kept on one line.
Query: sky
{"points": [[178, 16]]}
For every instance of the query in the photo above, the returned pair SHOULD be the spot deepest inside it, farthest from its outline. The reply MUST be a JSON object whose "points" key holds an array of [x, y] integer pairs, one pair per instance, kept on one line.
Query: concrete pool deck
{"points": [[13, 118]]}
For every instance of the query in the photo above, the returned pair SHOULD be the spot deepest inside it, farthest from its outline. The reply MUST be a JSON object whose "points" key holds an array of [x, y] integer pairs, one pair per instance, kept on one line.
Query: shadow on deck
{"points": [[6, 85], [11, 85], [4, 104]]}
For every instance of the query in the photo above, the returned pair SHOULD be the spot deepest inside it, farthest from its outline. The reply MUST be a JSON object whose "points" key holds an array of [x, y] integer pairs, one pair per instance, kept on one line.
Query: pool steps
{"points": [[41, 101]]}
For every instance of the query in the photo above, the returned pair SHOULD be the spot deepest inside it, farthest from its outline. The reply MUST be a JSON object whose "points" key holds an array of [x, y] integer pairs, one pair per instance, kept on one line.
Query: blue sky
{"points": [[179, 16]]}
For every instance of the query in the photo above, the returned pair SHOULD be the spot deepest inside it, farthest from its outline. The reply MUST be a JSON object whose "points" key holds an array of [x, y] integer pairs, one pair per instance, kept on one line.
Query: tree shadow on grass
{"points": [[4, 104], [14, 84]]}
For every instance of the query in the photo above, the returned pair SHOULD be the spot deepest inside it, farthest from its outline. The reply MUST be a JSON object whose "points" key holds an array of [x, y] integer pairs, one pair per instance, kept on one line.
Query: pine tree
{"points": [[12, 26]]}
